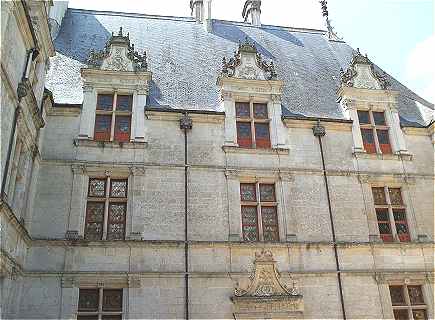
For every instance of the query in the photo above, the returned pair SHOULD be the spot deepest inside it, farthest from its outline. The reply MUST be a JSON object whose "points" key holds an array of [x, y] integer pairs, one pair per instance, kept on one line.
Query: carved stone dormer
{"points": [[120, 69], [361, 74], [266, 297], [118, 55], [248, 64]]}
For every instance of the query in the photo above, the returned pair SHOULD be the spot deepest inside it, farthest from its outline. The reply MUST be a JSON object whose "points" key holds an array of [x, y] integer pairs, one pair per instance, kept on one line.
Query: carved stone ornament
{"points": [[248, 64], [266, 294], [361, 74], [118, 55]]}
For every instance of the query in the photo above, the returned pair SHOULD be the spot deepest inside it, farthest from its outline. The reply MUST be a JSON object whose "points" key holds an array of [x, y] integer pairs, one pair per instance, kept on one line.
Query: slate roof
{"points": [[185, 61]]}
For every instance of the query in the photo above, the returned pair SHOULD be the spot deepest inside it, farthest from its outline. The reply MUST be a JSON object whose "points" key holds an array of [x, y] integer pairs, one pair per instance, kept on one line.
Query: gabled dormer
{"points": [[251, 97], [115, 92], [367, 100]]}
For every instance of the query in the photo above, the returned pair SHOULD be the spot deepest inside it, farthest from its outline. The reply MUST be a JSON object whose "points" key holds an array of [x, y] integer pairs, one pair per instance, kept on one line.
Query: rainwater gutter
{"points": [[319, 132], [186, 125]]}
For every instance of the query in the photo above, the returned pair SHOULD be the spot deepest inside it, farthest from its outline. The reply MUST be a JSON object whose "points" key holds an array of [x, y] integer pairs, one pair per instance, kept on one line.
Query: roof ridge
{"points": [[190, 19]]}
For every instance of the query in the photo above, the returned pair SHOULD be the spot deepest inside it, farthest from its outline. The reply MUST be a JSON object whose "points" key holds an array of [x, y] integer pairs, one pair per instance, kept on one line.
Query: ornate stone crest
{"points": [[118, 55], [361, 74], [266, 293], [248, 63]]}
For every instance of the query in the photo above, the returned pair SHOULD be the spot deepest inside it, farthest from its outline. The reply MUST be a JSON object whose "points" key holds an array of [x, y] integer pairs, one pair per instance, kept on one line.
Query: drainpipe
{"points": [[319, 131], [22, 90], [185, 125]]}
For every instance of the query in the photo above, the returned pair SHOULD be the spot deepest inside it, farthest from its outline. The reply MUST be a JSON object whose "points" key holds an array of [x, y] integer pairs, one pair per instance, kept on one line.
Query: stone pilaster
{"points": [[136, 200], [235, 219], [78, 203], [230, 119], [138, 115], [87, 116]]}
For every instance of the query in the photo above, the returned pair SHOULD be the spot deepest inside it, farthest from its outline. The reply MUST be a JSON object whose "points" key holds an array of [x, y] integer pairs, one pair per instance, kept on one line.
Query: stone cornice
{"points": [[329, 124], [251, 87], [175, 116], [368, 95], [116, 80], [6, 212]]}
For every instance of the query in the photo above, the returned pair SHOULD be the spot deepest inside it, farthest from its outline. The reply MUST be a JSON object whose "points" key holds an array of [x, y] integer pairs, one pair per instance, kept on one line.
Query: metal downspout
{"points": [[185, 125], [319, 131]]}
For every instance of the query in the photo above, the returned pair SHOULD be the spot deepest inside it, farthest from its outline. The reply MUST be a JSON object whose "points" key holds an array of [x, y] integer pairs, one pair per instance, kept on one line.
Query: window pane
{"points": [[97, 188], [247, 192], [105, 102], [397, 296], [382, 214], [267, 192], [244, 136], [379, 118], [123, 103], [260, 111], [395, 196], [242, 109], [363, 117], [122, 128], [102, 127], [415, 295], [379, 195], [419, 314], [262, 137], [368, 140], [112, 300], [270, 223], [116, 223], [88, 300], [249, 223], [384, 141], [401, 314], [118, 188], [94, 220]]}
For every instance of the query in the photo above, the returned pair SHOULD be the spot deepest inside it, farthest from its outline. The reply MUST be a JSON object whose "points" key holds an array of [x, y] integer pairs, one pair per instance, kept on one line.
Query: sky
{"points": [[398, 35]]}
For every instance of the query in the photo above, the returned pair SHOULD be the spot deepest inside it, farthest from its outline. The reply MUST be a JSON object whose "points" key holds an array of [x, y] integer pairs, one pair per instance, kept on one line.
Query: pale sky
{"points": [[396, 34]]}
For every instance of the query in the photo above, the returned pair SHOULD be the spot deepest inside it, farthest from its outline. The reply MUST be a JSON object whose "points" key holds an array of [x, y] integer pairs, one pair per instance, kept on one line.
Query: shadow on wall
{"points": [[234, 34], [79, 35]]}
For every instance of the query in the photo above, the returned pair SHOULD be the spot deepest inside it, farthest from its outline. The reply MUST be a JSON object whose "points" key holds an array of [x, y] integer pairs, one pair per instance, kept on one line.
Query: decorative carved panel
{"points": [[266, 296]]}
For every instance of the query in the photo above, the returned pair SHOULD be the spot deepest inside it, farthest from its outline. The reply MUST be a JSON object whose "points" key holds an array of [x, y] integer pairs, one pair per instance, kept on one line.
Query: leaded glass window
{"points": [[252, 125], [106, 209], [113, 117], [374, 132], [100, 304], [408, 302], [391, 214], [259, 213]]}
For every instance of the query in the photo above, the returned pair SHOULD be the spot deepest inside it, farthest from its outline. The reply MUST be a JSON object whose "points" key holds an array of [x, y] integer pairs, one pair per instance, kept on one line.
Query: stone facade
{"points": [[311, 271]]}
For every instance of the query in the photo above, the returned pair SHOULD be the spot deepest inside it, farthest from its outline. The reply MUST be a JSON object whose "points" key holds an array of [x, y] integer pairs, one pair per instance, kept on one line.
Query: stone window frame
{"points": [[407, 304], [114, 113], [375, 128], [392, 121], [107, 199], [390, 206], [391, 181], [286, 224], [253, 121], [134, 175], [101, 312], [259, 204]]}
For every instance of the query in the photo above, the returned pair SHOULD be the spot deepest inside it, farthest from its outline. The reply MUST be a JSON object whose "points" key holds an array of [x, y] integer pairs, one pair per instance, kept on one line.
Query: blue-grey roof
{"points": [[185, 61]]}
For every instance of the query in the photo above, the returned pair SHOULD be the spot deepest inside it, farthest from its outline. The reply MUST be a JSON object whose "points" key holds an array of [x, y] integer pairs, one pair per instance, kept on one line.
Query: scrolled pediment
{"points": [[266, 293], [248, 64], [118, 55], [361, 74]]}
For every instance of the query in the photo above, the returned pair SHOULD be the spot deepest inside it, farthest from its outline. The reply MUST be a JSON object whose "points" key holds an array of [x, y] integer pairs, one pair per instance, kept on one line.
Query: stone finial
{"points": [[331, 33], [252, 10]]}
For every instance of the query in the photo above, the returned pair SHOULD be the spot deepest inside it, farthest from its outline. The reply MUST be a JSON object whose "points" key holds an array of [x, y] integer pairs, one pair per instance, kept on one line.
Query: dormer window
{"points": [[113, 117], [374, 132], [252, 125]]}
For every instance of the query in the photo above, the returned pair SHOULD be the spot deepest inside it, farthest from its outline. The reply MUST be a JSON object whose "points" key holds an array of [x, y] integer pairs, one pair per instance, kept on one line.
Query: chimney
{"points": [[252, 12], [201, 12], [197, 7]]}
